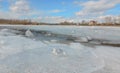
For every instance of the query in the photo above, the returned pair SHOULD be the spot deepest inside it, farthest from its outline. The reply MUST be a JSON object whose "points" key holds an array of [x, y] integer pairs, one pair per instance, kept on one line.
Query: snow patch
{"points": [[58, 52], [54, 41], [10, 45]]}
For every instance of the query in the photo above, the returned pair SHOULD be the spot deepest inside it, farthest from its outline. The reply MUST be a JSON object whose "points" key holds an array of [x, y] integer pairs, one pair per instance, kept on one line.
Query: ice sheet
{"points": [[21, 54]]}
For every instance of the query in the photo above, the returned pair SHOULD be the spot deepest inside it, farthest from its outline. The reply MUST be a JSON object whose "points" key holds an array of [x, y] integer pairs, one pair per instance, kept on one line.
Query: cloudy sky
{"points": [[53, 11]]}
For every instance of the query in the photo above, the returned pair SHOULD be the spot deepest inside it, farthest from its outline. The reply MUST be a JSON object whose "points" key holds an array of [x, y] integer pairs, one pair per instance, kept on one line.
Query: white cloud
{"points": [[96, 7], [19, 9], [20, 6]]}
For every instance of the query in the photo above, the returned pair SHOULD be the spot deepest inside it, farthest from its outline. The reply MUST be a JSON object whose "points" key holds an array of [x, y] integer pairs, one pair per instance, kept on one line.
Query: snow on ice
{"points": [[21, 54]]}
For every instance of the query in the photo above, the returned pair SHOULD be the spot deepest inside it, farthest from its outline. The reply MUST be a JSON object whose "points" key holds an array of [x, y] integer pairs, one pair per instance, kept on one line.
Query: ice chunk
{"points": [[48, 34], [89, 38], [58, 52], [8, 45], [6, 32], [28, 33], [54, 41], [10, 31]]}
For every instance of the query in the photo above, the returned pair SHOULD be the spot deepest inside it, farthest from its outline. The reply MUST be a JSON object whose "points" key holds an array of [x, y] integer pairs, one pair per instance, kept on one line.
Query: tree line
{"points": [[16, 21], [107, 21]]}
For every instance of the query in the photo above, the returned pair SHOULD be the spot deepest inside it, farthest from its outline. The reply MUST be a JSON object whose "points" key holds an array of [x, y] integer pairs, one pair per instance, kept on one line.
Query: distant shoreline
{"points": [[64, 23], [59, 25]]}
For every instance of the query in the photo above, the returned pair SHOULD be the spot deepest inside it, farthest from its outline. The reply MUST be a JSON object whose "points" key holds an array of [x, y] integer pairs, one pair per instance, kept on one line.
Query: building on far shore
{"points": [[92, 23]]}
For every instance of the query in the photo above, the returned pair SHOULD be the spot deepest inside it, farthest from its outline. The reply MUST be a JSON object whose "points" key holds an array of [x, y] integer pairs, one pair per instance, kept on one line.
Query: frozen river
{"points": [[59, 49]]}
